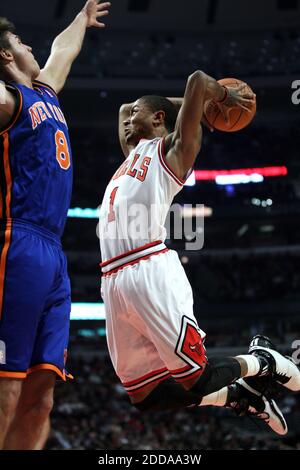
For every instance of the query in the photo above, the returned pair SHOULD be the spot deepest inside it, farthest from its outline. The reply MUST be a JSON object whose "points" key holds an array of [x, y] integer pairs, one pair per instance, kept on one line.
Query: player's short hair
{"points": [[160, 103], [5, 27]]}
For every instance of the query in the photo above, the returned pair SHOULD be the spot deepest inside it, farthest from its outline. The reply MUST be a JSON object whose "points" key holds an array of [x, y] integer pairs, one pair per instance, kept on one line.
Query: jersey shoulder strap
{"points": [[38, 84], [18, 106]]}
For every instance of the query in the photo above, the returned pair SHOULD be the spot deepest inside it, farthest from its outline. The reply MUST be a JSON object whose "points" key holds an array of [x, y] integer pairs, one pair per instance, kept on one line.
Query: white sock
{"points": [[218, 398], [253, 364]]}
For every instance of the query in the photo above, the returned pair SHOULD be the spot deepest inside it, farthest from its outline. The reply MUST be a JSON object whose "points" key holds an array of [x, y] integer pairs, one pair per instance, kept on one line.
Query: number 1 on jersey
{"points": [[111, 214]]}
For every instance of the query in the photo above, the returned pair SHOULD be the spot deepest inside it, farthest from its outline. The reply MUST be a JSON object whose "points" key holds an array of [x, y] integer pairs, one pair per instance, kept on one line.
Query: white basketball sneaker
{"points": [[283, 369], [249, 402]]}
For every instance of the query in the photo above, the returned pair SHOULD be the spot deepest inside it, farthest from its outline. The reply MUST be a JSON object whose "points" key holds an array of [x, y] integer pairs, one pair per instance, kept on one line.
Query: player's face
{"points": [[23, 57], [139, 124]]}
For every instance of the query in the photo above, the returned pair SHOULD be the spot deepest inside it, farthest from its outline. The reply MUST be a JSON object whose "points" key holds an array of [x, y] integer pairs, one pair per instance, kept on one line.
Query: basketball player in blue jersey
{"points": [[36, 184]]}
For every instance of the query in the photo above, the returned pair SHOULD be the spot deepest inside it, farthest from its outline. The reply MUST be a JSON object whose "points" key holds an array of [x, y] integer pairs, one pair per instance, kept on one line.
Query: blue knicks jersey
{"points": [[35, 160]]}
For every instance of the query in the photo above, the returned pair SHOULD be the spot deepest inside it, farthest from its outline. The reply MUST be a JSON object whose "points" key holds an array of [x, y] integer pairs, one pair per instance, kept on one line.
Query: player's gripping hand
{"points": [[236, 97], [94, 11]]}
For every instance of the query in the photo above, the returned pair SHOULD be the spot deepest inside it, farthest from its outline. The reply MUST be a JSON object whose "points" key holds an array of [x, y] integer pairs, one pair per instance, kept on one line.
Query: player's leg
{"points": [[244, 400], [255, 401], [50, 352], [160, 300], [144, 375], [210, 387], [147, 344], [211, 382], [24, 285], [171, 327], [10, 390], [30, 426], [46, 362], [262, 361], [143, 335]]}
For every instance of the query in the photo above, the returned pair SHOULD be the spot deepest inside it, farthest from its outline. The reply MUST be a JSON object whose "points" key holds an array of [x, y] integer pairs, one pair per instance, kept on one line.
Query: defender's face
{"points": [[23, 57], [139, 124]]}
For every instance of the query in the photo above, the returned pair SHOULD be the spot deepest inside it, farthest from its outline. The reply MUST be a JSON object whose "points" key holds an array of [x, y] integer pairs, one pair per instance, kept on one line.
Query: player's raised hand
{"points": [[94, 11], [237, 97]]}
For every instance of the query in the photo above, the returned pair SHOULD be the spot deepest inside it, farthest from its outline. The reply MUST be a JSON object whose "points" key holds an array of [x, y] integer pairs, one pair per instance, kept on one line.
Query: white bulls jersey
{"points": [[152, 332], [137, 201]]}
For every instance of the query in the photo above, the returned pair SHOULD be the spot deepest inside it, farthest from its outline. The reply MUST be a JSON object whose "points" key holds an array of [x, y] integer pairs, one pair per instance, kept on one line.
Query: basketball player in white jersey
{"points": [[155, 343]]}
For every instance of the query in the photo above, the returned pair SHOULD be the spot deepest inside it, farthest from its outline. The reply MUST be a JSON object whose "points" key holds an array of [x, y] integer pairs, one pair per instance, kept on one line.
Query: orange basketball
{"points": [[238, 117]]}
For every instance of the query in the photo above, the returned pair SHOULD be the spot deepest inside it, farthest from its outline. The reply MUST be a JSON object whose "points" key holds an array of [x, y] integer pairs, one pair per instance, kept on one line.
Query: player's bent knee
{"points": [[143, 405], [151, 402], [43, 407], [168, 395], [150, 399], [42, 410], [188, 384], [218, 373], [39, 409]]}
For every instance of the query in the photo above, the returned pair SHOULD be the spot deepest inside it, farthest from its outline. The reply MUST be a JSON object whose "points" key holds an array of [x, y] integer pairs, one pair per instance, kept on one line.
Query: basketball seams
{"points": [[237, 121]]}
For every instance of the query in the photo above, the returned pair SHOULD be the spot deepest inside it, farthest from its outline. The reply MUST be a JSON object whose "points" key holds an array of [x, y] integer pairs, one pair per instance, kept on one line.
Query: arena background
{"points": [[246, 279]]}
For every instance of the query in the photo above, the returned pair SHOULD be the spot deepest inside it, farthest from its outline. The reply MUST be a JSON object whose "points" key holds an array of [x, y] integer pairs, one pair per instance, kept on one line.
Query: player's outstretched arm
{"points": [[7, 106], [183, 145], [68, 44]]}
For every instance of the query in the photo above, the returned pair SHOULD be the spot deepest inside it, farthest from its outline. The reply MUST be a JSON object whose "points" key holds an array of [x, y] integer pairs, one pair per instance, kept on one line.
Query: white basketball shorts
{"points": [[152, 333]]}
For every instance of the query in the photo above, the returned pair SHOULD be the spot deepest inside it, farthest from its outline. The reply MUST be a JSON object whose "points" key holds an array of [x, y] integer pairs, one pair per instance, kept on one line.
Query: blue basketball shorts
{"points": [[35, 301]]}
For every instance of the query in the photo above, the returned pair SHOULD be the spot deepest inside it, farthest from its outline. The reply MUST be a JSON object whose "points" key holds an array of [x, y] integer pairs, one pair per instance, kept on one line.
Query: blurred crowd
{"points": [[240, 277], [168, 55]]}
